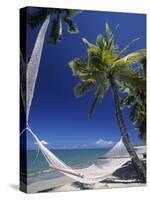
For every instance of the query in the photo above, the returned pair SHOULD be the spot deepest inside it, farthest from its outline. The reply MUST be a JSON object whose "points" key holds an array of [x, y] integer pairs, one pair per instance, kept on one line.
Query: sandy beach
{"points": [[123, 177]]}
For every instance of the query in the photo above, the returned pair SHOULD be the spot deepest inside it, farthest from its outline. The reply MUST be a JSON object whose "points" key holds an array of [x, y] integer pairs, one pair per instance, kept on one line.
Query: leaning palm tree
{"points": [[106, 67]]}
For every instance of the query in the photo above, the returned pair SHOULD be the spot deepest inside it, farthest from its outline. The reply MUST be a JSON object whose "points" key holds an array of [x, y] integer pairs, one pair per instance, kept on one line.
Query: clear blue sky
{"points": [[57, 116]]}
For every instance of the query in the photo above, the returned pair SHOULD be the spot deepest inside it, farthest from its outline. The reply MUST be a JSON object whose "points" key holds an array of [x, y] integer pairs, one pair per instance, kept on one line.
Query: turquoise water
{"points": [[38, 169]]}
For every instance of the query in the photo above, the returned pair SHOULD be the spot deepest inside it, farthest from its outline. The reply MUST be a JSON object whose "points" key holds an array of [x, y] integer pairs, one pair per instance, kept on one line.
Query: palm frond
{"points": [[131, 78], [68, 19], [38, 17], [81, 69], [95, 62], [111, 43], [72, 28], [88, 43], [127, 100], [107, 30], [83, 87], [126, 47], [56, 30], [135, 100], [107, 35], [106, 41], [143, 65], [99, 42], [119, 66], [77, 65], [72, 12], [108, 57], [103, 86], [134, 57]]}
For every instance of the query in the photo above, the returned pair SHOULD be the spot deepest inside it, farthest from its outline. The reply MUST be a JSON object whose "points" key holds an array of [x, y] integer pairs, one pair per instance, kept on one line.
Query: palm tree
{"points": [[55, 34], [137, 106], [106, 67]]}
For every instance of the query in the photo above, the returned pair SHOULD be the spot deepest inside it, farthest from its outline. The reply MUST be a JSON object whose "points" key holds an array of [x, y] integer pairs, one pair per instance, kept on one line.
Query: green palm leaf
{"points": [[80, 68], [90, 45], [134, 57], [103, 86], [77, 66], [126, 47], [131, 77], [72, 28], [95, 62], [83, 87]]}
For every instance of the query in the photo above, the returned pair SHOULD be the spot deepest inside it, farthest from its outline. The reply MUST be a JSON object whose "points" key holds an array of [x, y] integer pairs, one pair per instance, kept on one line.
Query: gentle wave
{"points": [[31, 174], [76, 159]]}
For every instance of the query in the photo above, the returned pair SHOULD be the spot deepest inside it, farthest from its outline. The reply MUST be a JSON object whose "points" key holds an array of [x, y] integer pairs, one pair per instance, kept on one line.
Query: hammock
{"points": [[116, 157], [91, 174], [29, 72]]}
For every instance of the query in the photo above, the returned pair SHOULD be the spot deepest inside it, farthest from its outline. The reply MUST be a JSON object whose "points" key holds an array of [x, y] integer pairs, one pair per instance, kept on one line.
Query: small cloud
{"points": [[104, 143]]}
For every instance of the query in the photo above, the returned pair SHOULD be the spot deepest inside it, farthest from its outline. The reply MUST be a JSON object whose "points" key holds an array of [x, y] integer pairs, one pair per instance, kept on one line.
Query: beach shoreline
{"points": [[125, 176], [64, 185]]}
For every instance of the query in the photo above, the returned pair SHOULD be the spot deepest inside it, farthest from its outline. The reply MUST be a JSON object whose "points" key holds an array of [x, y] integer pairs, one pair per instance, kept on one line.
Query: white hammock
{"points": [[116, 157], [29, 72], [110, 162]]}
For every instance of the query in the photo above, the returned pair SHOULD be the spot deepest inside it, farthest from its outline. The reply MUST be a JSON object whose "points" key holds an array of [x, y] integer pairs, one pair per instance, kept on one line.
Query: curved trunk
{"points": [[140, 169]]}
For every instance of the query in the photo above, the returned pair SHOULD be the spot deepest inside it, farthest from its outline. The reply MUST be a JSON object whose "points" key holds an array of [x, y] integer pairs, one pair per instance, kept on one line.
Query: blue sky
{"points": [[56, 115]]}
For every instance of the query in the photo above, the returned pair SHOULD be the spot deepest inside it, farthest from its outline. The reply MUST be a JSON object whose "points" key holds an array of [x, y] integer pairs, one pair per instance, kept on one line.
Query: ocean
{"points": [[38, 169]]}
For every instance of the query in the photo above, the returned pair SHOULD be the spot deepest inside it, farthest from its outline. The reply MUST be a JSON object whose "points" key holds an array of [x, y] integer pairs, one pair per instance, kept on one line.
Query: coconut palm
{"points": [[137, 106], [106, 67]]}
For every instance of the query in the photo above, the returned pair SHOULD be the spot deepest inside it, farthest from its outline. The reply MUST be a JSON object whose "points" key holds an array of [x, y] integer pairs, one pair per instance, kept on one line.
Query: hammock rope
{"points": [[92, 174]]}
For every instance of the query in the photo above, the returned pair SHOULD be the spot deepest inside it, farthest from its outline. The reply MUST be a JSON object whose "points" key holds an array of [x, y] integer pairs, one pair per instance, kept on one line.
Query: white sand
{"points": [[65, 184], [123, 177]]}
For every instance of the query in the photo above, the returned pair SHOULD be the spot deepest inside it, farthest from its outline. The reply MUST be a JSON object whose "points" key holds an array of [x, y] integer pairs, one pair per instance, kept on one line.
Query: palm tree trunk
{"points": [[140, 169]]}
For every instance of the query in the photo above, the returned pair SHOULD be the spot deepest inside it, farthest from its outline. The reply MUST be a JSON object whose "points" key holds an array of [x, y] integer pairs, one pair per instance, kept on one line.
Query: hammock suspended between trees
{"points": [[116, 157], [109, 163]]}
